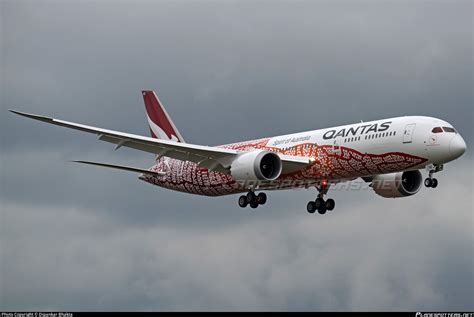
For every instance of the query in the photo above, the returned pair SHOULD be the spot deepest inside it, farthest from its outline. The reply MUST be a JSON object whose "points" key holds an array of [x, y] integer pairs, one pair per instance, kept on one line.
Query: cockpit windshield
{"points": [[445, 129], [448, 129]]}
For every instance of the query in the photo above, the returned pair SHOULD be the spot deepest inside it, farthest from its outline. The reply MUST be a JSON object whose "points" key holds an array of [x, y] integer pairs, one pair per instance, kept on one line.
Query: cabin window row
{"points": [[371, 136]]}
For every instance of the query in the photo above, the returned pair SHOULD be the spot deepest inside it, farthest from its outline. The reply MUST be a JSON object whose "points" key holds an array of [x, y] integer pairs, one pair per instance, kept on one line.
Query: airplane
{"points": [[388, 154]]}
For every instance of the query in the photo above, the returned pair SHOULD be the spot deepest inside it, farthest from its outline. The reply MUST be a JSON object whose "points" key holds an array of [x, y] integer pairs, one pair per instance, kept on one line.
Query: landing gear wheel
{"points": [[319, 202], [322, 210], [253, 204], [330, 204], [243, 201], [251, 197], [311, 207], [432, 168], [261, 198]]}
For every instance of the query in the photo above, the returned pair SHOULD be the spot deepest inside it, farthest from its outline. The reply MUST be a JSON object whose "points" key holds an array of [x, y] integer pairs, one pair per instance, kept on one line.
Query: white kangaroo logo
{"points": [[160, 134]]}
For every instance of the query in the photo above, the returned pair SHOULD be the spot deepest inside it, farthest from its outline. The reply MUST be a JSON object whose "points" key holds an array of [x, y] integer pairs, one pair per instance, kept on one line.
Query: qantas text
{"points": [[331, 134]]}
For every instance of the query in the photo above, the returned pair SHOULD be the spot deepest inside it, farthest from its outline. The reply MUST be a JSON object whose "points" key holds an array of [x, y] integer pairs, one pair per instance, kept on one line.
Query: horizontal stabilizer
{"points": [[124, 168]]}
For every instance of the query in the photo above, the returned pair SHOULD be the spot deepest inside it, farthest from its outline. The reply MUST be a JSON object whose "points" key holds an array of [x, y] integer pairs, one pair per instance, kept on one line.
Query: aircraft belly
{"points": [[327, 163]]}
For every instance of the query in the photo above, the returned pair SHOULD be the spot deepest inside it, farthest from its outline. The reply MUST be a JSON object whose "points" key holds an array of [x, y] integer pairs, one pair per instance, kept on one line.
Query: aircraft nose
{"points": [[457, 146]]}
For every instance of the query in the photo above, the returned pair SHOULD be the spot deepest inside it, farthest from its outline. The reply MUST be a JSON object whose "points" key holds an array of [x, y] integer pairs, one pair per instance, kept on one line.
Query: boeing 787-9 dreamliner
{"points": [[388, 154]]}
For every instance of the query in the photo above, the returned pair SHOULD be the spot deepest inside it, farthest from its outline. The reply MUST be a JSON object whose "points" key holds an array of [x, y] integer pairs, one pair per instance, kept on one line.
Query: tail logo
{"points": [[158, 132]]}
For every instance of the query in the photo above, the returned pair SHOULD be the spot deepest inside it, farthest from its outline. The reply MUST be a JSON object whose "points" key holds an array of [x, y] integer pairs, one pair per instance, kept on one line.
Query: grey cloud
{"points": [[375, 255], [315, 64]]}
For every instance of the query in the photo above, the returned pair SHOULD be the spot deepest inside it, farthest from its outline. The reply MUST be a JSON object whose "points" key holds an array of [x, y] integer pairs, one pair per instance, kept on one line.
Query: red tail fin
{"points": [[161, 125]]}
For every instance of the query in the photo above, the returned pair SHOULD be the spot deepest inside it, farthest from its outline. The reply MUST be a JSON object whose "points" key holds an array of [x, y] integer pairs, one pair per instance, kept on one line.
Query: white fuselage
{"points": [[411, 135]]}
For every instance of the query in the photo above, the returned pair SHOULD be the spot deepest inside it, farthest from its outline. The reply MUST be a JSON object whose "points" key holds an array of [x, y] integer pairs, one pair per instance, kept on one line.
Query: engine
{"points": [[256, 165], [399, 184]]}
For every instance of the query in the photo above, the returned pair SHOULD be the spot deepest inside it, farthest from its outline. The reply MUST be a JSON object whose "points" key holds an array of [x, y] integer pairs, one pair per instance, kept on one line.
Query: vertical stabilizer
{"points": [[161, 125]]}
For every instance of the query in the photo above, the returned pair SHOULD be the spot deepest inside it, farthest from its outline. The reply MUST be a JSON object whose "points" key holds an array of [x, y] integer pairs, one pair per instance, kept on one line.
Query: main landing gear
{"points": [[431, 181], [252, 199], [320, 204]]}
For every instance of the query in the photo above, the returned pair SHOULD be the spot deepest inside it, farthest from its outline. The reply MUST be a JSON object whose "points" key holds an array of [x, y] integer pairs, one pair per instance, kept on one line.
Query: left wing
{"points": [[213, 158]]}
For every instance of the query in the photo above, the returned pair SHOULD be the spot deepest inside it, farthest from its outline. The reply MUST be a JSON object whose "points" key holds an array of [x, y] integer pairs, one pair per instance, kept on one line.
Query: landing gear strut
{"points": [[431, 181], [320, 204], [252, 199]]}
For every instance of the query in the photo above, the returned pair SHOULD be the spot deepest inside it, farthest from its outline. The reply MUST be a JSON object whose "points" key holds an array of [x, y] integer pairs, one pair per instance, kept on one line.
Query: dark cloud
{"points": [[412, 254], [78, 237], [317, 64]]}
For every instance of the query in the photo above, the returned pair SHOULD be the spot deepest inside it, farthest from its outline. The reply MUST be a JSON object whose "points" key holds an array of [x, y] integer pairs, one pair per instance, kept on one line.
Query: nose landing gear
{"points": [[432, 182]]}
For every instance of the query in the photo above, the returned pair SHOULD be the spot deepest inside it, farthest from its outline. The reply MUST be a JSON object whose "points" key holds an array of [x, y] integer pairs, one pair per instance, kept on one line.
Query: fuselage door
{"points": [[408, 133], [336, 148]]}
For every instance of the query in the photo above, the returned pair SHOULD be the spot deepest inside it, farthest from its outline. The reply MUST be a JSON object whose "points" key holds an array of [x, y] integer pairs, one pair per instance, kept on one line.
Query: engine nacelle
{"points": [[256, 165], [399, 184]]}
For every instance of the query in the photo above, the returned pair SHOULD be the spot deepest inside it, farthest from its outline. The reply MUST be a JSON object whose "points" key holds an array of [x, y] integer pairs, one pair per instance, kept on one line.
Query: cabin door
{"points": [[408, 133]]}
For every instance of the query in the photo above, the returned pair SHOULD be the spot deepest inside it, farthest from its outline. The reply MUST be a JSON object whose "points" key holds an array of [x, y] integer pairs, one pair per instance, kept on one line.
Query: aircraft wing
{"points": [[124, 168], [213, 158]]}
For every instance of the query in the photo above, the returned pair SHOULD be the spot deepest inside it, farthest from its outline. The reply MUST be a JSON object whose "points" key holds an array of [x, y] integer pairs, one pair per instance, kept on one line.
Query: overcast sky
{"points": [[82, 238]]}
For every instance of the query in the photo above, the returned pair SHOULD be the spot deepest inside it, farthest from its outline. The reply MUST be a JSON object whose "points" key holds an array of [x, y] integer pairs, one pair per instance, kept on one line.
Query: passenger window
{"points": [[448, 129], [437, 130]]}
